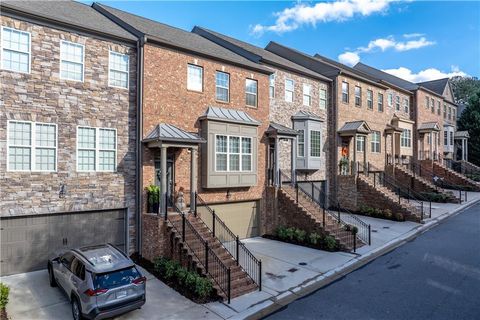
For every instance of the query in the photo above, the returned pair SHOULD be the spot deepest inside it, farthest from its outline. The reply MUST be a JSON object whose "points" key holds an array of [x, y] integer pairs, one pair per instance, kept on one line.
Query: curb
{"points": [[270, 306]]}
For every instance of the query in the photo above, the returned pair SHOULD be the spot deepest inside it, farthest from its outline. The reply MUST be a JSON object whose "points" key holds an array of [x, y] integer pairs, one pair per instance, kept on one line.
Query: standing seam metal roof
{"points": [[229, 115], [168, 132]]}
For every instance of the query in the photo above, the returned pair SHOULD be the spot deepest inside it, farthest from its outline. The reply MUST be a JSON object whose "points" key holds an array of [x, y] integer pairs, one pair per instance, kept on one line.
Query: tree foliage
{"points": [[470, 121], [464, 87]]}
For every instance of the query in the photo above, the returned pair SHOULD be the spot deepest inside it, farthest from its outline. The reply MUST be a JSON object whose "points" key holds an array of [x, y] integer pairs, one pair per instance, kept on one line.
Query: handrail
{"points": [[231, 242], [352, 237], [221, 273], [400, 189]]}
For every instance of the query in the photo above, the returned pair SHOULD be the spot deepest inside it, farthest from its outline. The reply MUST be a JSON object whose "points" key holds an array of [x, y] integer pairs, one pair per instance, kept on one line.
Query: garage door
{"points": [[28, 242], [240, 217]]}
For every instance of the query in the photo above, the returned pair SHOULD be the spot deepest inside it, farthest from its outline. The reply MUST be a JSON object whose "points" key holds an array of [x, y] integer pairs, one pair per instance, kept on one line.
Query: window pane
{"points": [[106, 160], [315, 143], [246, 145], [234, 162], [221, 162], [118, 79], [221, 145], [222, 85], [301, 143], [19, 158], [71, 71], [271, 81], [45, 135], [72, 52], [251, 92], [119, 61], [86, 138], [246, 162], [195, 78], [45, 159], [234, 145], [86, 160], [20, 133], [107, 139]]}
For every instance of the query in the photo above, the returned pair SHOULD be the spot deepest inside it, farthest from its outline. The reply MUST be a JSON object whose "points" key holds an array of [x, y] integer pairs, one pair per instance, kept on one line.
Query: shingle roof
{"points": [[70, 13], [355, 127], [379, 74], [428, 126], [229, 115], [437, 86], [168, 132], [181, 39], [278, 129], [306, 115], [255, 53]]}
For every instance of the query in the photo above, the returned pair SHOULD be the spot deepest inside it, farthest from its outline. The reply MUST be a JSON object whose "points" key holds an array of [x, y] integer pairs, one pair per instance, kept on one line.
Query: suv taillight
{"points": [[139, 280], [95, 292]]}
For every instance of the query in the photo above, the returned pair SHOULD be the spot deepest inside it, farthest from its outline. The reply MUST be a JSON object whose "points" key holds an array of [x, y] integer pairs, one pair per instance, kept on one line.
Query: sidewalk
{"points": [[290, 271]]}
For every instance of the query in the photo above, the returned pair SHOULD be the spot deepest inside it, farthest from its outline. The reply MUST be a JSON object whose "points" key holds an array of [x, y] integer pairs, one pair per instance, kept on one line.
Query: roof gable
{"points": [[436, 86]]}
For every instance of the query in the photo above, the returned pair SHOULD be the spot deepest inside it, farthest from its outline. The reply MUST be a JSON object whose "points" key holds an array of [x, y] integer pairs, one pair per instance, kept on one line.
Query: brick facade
{"points": [[41, 96]]}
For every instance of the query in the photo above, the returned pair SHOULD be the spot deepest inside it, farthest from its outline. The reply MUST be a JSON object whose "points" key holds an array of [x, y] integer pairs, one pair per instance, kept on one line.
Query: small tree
{"points": [[470, 121]]}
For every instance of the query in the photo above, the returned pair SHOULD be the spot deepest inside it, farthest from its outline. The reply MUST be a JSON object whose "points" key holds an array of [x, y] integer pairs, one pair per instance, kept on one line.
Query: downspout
{"points": [[139, 135], [334, 138]]}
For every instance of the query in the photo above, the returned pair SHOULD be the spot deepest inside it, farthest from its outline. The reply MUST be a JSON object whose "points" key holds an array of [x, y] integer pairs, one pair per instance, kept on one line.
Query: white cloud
{"points": [[425, 75], [413, 35], [383, 44], [340, 10]]}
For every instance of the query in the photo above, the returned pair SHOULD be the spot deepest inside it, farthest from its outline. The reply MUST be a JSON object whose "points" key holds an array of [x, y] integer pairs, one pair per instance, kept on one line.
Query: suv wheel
{"points": [[51, 277], [76, 309]]}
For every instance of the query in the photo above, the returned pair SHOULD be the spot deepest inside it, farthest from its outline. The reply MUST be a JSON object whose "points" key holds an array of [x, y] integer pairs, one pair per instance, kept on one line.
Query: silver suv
{"points": [[100, 281]]}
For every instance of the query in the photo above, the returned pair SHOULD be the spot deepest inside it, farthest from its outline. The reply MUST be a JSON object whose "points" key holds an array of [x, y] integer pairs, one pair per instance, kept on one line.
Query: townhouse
{"points": [[67, 132]]}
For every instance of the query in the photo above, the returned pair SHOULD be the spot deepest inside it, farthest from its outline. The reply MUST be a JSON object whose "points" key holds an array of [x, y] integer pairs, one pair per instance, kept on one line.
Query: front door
{"points": [[271, 163], [170, 177]]}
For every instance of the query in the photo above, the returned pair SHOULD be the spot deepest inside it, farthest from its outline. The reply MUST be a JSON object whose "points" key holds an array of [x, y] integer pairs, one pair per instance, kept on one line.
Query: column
{"points": [[293, 160], [431, 149], [393, 148], [163, 182], [193, 177], [354, 148], [466, 149], [277, 163], [365, 148]]}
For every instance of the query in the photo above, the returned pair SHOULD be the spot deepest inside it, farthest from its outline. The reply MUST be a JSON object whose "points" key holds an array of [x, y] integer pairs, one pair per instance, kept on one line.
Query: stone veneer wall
{"points": [[347, 192], [167, 100], [42, 96]]}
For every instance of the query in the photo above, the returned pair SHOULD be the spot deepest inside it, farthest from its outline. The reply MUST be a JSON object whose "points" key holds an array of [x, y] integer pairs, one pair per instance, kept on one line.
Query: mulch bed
{"points": [[148, 265], [303, 244], [3, 314]]}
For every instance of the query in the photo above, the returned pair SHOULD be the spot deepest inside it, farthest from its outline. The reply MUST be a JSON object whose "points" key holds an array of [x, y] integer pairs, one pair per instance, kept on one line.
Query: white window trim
{"points": [[201, 68], [309, 95], [310, 143], [83, 62], [255, 94], [380, 102], [222, 87], [356, 144], [406, 139], [346, 93], [320, 99], [292, 91], [370, 99], [379, 142], [390, 100], [110, 68], [240, 154], [97, 149], [274, 77], [29, 50], [32, 146], [298, 142]]}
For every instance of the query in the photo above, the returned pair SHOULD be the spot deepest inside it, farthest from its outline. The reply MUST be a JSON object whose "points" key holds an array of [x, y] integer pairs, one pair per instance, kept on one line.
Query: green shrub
{"points": [[170, 269], [159, 264], [398, 216], [290, 233], [281, 232], [300, 235], [354, 230], [388, 213], [190, 281], [4, 291], [314, 238], [330, 243], [181, 275], [203, 287], [153, 193]]}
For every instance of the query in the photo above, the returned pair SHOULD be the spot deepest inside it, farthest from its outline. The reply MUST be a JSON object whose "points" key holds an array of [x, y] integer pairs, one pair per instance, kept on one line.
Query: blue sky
{"points": [[417, 40]]}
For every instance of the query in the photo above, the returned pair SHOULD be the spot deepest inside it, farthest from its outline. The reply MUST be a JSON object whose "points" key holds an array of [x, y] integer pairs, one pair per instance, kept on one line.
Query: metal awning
{"points": [[306, 115], [229, 115], [278, 130], [462, 135], [428, 127], [353, 128], [165, 132]]}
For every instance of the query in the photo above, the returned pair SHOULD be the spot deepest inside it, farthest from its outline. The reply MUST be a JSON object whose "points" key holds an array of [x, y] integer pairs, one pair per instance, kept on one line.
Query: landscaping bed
{"points": [[300, 237], [434, 197], [188, 283], [379, 213], [4, 291]]}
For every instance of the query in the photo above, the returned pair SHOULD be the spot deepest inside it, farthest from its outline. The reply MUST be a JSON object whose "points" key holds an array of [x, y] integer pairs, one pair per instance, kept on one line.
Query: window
{"points": [[360, 144], [380, 102], [222, 86], [358, 96], [449, 113], [451, 138], [271, 80], [315, 143], [432, 105], [444, 111], [429, 139], [445, 138], [71, 61], [15, 50], [406, 105], [251, 92], [397, 103], [454, 116], [301, 143], [32, 146], [289, 87], [96, 149], [195, 78], [427, 102], [307, 98], [233, 153], [375, 143], [345, 92], [406, 138], [370, 99], [118, 70], [323, 99], [439, 107], [390, 100]]}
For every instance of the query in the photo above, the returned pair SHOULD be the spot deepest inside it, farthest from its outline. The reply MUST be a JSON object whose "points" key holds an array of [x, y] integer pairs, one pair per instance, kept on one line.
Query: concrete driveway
{"points": [[31, 297]]}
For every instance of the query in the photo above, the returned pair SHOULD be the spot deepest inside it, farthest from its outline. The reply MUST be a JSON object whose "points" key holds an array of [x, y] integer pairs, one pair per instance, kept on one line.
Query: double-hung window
{"points": [[360, 144], [32, 146], [323, 99], [96, 149], [449, 113], [439, 107], [233, 153], [444, 111], [380, 102], [451, 138], [71, 61], [301, 143], [251, 93], [397, 103], [445, 138], [375, 143], [406, 105], [307, 96], [118, 70], [289, 89], [432, 105], [454, 114], [315, 143], [15, 50], [194, 78], [390, 100], [427, 102], [358, 96], [271, 88], [370, 99], [222, 86], [345, 91], [406, 138]]}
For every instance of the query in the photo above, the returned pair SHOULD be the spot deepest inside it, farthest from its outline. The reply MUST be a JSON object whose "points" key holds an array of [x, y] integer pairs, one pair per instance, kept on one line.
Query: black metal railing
{"points": [[208, 259], [231, 242], [467, 169], [402, 190], [295, 191]]}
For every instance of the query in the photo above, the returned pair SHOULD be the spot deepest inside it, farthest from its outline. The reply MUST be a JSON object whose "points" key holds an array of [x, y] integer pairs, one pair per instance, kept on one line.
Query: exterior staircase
{"points": [[455, 178], [321, 218]]}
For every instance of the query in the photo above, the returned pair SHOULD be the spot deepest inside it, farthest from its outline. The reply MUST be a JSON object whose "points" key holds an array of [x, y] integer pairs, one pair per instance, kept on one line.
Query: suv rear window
{"points": [[115, 278]]}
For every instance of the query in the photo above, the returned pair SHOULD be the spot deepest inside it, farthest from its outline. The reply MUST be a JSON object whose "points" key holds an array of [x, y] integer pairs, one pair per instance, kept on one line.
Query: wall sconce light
{"points": [[229, 194], [63, 191]]}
